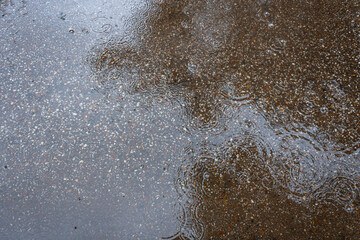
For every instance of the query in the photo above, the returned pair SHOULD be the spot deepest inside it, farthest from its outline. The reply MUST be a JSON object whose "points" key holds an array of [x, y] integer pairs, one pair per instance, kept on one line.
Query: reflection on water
{"points": [[269, 93]]}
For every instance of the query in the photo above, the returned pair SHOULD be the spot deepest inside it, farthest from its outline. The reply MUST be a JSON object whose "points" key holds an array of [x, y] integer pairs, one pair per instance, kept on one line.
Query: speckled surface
{"points": [[216, 119]]}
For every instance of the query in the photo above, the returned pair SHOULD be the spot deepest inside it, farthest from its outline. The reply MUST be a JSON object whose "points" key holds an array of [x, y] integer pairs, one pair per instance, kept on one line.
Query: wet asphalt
{"points": [[184, 120]]}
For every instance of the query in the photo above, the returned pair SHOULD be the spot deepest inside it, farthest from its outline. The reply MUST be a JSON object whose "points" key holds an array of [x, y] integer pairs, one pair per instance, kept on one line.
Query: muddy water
{"points": [[180, 120]]}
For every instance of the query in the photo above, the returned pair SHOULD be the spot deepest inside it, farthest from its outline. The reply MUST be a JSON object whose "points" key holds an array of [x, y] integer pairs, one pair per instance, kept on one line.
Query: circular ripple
{"points": [[299, 168], [190, 187], [101, 25], [341, 190], [246, 157], [204, 113]]}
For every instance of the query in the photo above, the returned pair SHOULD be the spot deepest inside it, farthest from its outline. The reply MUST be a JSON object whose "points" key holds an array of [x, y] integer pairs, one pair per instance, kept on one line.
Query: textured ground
{"points": [[217, 119]]}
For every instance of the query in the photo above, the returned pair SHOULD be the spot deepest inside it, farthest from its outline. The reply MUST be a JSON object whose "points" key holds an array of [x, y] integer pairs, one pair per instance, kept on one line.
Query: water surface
{"points": [[179, 119]]}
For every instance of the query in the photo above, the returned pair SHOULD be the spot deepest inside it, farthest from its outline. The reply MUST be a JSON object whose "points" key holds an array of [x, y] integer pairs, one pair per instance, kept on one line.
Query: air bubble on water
{"points": [[271, 25], [266, 14]]}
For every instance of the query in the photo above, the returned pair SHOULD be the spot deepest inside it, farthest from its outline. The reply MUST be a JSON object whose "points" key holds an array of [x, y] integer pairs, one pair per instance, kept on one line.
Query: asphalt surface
{"points": [[186, 120]]}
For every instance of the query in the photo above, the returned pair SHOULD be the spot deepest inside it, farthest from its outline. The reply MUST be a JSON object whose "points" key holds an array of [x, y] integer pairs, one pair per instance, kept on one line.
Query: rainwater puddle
{"points": [[179, 119]]}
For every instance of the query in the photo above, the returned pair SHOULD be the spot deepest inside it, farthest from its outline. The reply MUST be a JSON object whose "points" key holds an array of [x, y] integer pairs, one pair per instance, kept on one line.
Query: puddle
{"points": [[179, 120]]}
